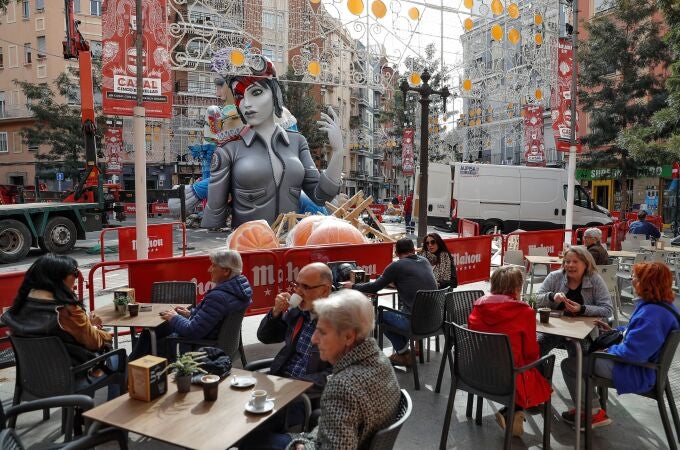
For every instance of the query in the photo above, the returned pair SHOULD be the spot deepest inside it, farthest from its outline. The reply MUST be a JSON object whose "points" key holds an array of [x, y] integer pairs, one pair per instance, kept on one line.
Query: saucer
{"points": [[243, 382], [268, 406]]}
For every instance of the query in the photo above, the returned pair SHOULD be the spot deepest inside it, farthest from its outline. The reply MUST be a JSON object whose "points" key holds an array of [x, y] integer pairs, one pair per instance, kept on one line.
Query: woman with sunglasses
{"points": [[443, 265], [46, 305], [267, 169]]}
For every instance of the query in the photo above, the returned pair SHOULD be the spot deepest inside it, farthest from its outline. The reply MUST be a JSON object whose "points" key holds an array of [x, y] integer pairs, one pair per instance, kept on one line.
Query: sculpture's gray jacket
{"points": [[243, 169]]}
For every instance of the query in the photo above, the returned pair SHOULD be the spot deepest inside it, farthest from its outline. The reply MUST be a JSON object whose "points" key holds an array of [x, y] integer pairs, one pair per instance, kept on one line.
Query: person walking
{"points": [[408, 211]]}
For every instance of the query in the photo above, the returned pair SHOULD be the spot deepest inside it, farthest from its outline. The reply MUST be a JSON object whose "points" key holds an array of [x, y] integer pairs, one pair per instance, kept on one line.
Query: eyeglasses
{"points": [[305, 287], [430, 242]]}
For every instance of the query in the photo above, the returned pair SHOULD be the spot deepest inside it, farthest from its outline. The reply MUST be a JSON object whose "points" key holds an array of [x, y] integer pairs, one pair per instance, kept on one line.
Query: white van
{"points": [[506, 198]]}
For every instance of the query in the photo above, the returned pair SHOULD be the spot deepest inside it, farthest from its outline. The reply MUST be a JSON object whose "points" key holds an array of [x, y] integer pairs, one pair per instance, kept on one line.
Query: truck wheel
{"points": [[489, 225], [60, 235], [15, 241]]}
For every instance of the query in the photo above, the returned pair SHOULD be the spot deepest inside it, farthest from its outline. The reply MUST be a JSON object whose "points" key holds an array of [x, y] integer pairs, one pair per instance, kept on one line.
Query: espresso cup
{"points": [[258, 399], [133, 309], [294, 301], [210, 385], [544, 314]]}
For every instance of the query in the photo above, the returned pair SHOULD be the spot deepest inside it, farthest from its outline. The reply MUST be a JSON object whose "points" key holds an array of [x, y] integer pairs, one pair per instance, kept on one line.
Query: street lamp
{"points": [[425, 91]]}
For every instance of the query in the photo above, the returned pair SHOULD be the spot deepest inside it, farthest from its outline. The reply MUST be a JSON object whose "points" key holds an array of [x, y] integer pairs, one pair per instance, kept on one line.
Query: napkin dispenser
{"points": [[146, 379]]}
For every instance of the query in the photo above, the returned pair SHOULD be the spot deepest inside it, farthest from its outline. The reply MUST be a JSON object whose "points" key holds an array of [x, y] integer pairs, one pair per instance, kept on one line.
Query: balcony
{"points": [[14, 112], [376, 178], [378, 154]]}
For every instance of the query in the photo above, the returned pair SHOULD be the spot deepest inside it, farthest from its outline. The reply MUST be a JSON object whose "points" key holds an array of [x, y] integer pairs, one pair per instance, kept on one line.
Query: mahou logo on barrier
{"points": [[159, 238], [472, 256]]}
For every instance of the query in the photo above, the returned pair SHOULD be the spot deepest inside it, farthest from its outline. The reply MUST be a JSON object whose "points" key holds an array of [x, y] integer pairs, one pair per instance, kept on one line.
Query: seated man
{"points": [[409, 274], [592, 238], [231, 293], [641, 226]]}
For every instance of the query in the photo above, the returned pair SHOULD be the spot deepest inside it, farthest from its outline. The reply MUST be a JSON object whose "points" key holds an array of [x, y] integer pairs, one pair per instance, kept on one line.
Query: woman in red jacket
{"points": [[503, 312]]}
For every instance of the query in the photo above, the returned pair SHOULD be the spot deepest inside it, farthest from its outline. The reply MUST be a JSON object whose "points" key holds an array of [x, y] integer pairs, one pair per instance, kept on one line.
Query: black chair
{"points": [[662, 386], [426, 318], [174, 292], [229, 339], [385, 438], [484, 366], [458, 307], [6, 354], [44, 369], [10, 440]]}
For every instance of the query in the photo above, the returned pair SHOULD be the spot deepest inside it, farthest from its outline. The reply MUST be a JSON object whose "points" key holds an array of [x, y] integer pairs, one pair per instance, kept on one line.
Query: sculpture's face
{"points": [[257, 105], [221, 88]]}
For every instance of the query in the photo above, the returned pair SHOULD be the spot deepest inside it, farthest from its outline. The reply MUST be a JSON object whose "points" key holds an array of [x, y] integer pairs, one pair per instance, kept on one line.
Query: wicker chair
{"points": [[6, 353], [662, 386], [484, 366], [385, 438], [427, 320]]}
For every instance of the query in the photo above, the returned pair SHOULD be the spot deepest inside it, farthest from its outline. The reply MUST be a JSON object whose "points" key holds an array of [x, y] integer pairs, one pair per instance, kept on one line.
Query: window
{"points": [[11, 12], [28, 53], [13, 56], [42, 47], [41, 71], [2, 105], [268, 52], [96, 7], [39, 24], [2, 62], [76, 6], [3, 142], [25, 9], [40, 5], [602, 5], [17, 142], [96, 49], [268, 20]]}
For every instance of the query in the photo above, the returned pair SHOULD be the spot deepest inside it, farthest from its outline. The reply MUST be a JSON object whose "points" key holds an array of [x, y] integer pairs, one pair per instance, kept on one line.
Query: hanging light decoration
{"points": [[468, 3], [496, 7], [467, 84], [237, 57], [414, 13], [356, 7], [415, 79], [468, 24], [497, 32], [314, 2], [379, 9], [538, 19], [513, 36], [538, 94], [314, 68], [513, 10], [538, 38]]}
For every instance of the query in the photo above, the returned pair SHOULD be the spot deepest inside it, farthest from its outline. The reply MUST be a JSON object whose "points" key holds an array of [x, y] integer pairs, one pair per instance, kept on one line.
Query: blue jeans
{"points": [[113, 389], [399, 342], [410, 226]]}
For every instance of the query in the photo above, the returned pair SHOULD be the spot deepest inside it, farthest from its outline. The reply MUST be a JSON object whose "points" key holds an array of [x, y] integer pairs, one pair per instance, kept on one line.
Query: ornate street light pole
{"points": [[425, 91]]}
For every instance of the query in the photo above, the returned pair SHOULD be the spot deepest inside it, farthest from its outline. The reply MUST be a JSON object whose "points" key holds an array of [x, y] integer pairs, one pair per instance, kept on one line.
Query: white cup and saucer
{"points": [[259, 403], [294, 301], [243, 382]]}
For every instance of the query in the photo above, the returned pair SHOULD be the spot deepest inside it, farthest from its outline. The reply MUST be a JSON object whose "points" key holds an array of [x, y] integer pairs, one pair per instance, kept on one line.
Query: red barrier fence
{"points": [[467, 228], [160, 209], [11, 281], [612, 235], [553, 240], [472, 256]]}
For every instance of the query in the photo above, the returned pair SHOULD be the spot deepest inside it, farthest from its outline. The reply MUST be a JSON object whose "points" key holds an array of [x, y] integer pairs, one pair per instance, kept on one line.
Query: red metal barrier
{"points": [[553, 240], [472, 256], [467, 228], [11, 281]]}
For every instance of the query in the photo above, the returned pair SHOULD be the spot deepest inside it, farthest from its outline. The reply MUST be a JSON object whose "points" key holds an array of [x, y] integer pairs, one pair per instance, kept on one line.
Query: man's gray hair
{"points": [[593, 232], [347, 309], [227, 259]]}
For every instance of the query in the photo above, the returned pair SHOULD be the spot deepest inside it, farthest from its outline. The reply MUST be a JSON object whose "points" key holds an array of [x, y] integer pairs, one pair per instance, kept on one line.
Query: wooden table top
{"points": [[571, 327], [188, 421], [145, 319], [622, 253], [533, 259]]}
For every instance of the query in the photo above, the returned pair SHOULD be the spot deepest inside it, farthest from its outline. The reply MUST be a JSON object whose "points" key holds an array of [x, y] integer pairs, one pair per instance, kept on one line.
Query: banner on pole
{"points": [[113, 150], [562, 98], [119, 56], [534, 145], [407, 162]]}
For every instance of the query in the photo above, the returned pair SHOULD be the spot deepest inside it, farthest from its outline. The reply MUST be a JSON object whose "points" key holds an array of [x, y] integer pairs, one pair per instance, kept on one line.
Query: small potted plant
{"points": [[532, 300], [121, 303], [184, 367]]}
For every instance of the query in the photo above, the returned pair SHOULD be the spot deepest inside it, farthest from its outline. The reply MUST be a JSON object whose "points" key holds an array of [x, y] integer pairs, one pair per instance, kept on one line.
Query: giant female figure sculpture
{"points": [[267, 169]]}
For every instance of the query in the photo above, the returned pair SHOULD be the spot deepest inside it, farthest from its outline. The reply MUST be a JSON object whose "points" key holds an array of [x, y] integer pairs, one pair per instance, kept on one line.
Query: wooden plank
{"points": [[377, 222], [277, 223], [359, 209]]}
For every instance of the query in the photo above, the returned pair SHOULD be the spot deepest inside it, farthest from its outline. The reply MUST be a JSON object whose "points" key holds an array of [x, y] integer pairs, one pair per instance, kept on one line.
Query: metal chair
{"points": [[44, 369], [608, 274], [10, 440], [182, 292], [228, 339], [484, 366], [6, 353], [458, 306], [385, 438], [426, 318], [662, 386], [539, 272]]}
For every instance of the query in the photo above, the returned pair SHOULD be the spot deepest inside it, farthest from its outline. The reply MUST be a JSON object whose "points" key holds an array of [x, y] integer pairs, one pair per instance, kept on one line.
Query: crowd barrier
{"points": [[467, 228], [11, 281], [154, 209]]}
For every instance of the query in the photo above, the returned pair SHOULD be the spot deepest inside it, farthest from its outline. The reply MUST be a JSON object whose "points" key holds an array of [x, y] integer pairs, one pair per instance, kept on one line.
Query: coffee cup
{"points": [[294, 301], [544, 314], [210, 385], [258, 399], [133, 309]]}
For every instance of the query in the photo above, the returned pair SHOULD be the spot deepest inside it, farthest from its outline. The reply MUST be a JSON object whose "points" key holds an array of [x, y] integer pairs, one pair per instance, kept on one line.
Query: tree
{"points": [[659, 142], [58, 125], [618, 84]]}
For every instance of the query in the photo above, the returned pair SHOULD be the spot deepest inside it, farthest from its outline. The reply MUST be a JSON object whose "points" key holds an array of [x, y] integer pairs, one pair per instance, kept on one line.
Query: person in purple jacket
{"points": [[653, 318], [231, 293]]}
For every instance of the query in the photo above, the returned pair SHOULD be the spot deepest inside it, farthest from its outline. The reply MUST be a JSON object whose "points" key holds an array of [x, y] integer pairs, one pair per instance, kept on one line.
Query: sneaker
{"points": [[600, 418], [401, 360]]}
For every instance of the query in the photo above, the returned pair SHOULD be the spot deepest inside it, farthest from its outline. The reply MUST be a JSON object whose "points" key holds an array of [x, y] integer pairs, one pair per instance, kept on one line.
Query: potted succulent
{"points": [[121, 303], [184, 367], [532, 300]]}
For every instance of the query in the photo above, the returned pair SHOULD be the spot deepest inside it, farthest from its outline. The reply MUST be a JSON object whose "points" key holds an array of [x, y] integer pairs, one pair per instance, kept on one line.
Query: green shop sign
{"points": [[615, 174]]}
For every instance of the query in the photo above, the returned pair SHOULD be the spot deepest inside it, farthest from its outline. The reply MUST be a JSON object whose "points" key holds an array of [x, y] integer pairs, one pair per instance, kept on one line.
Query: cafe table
{"points": [[149, 318], [622, 254], [574, 329], [186, 420], [535, 260]]}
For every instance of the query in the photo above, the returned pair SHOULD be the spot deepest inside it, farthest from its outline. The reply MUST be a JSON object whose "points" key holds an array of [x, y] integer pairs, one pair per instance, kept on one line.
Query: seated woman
{"points": [[47, 306], [231, 293], [652, 320], [443, 266], [503, 312], [577, 289]]}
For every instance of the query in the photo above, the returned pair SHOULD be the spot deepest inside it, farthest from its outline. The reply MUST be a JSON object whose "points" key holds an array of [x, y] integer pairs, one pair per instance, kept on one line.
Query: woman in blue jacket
{"points": [[651, 322], [231, 293]]}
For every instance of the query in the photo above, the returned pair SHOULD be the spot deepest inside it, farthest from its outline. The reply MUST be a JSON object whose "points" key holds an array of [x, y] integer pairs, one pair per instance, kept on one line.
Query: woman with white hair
{"points": [[362, 395], [231, 293], [592, 239]]}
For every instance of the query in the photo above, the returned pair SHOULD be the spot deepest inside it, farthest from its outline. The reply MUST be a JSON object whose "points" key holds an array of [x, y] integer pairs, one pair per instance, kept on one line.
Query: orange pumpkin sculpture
{"points": [[253, 235], [300, 234], [335, 231]]}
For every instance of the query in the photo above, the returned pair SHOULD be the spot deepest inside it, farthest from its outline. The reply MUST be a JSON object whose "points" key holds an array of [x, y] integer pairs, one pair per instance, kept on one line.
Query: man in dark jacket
{"points": [[641, 226], [592, 239], [231, 294]]}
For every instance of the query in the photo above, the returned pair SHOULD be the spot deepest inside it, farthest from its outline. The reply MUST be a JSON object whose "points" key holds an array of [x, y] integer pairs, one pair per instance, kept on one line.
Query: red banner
{"points": [[160, 242], [553, 240], [119, 55], [407, 162], [113, 150], [472, 256], [129, 208], [160, 208], [534, 145], [562, 98]]}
